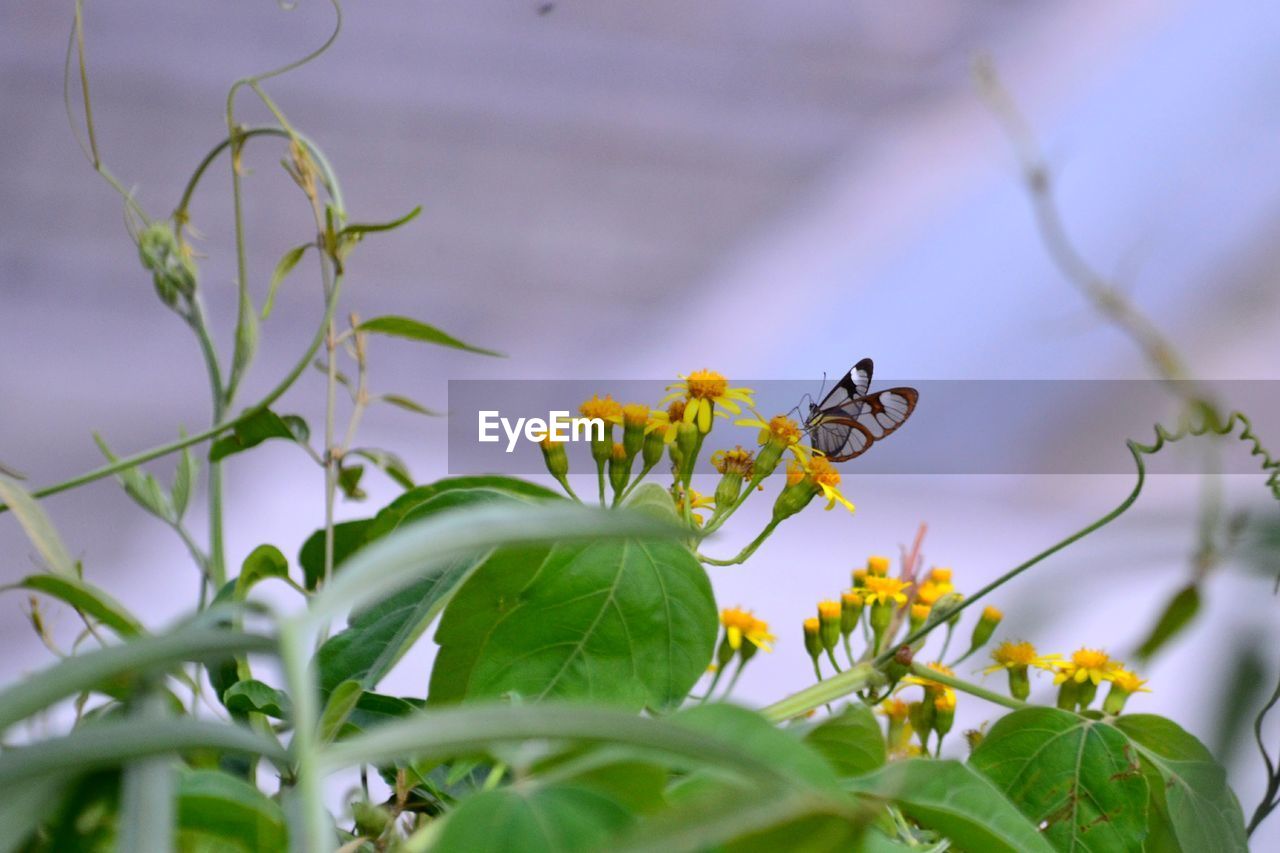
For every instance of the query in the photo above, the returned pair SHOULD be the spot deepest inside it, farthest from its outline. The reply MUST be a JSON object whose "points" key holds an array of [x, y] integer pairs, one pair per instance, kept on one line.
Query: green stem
{"points": [[963, 686], [626, 493], [733, 681], [746, 552], [828, 690], [187, 441], [313, 828], [832, 657]]}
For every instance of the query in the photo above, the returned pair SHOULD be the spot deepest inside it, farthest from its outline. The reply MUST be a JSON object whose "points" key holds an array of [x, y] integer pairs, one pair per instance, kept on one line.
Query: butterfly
{"points": [[849, 420]]}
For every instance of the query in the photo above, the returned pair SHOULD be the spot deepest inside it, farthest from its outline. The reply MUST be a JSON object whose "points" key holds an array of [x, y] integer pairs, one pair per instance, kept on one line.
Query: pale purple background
{"points": [[636, 190]]}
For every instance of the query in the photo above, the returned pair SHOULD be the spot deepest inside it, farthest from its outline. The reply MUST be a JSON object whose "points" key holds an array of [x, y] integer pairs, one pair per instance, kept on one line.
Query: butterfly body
{"points": [[850, 419]]}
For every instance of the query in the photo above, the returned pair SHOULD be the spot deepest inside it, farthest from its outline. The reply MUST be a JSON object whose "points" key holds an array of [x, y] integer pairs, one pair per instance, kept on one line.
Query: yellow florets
{"points": [[706, 384], [742, 624], [736, 461], [940, 574], [992, 614], [1086, 665], [618, 452], [635, 415], [885, 590], [1128, 681], [606, 409], [783, 429], [1010, 654], [877, 565], [829, 609], [894, 709]]}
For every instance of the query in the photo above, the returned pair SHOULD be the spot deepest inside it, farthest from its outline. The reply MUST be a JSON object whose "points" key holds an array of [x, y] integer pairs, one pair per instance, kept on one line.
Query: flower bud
{"points": [[878, 566], [651, 451], [1068, 695], [829, 619], [881, 617], [812, 640], [1087, 692], [619, 467], [851, 605], [986, 626], [919, 613], [635, 416], [555, 457], [921, 715], [944, 716], [172, 272], [859, 578]]}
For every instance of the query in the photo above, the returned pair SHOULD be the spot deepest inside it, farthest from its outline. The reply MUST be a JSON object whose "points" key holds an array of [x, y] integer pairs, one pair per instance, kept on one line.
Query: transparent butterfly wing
{"points": [[841, 438]]}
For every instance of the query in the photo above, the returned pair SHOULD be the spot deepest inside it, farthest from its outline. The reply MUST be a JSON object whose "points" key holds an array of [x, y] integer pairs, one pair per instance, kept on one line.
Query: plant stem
{"points": [[746, 552], [828, 690], [972, 689]]}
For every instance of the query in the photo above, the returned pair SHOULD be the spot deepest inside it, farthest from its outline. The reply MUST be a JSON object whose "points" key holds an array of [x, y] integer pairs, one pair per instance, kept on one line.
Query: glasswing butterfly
{"points": [[849, 420]]}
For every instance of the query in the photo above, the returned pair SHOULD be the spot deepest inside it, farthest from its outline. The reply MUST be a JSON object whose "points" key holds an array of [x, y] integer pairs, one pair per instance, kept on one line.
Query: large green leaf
{"points": [[1078, 778], [851, 741], [378, 636], [85, 597], [627, 622], [1202, 809], [954, 801], [533, 819], [757, 737], [218, 811]]}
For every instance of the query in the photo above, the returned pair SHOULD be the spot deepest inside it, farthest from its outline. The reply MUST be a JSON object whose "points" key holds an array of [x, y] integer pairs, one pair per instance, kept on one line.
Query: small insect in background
{"points": [[849, 419]]}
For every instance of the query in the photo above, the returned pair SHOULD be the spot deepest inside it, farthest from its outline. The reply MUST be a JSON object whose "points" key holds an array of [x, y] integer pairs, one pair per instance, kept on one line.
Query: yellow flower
{"points": [[918, 614], [885, 590], [742, 624], [992, 614], [795, 473], [877, 565], [738, 461], [894, 709], [934, 690], [1128, 681], [635, 415], [1011, 654], [929, 592], [667, 422], [825, 477], [1086, 665], [702, 391], [780, 431], [698, 501], [940, 575], [608, 410]]}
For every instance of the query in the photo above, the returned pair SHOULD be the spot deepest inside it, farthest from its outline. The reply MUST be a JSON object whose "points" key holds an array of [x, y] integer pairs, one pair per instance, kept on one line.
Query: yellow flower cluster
{"points": [[1077, 676]]}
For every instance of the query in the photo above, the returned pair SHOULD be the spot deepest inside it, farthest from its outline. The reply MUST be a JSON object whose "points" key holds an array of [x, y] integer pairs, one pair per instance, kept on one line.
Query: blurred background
{"points": [[628, 191]]}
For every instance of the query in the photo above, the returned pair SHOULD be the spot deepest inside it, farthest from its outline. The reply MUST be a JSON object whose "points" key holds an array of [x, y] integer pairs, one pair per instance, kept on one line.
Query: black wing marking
{"points": [[852, 386], [842, 438]]}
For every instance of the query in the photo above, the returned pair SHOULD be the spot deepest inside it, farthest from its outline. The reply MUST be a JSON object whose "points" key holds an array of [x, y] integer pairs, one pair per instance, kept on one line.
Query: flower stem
{"points": [[746, 552], [963, 686]]}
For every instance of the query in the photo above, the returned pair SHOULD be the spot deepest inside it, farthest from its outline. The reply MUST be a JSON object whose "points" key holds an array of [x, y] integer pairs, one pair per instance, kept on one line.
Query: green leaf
{"points": [[652, 499], [259, 426], [341, 702], [757, 737], [349, 482], [283, 268], [263, 562], [38, 528], [1077, 777], [372, 227], [23, 809], [415, 330], [387, 462], [1177, 615], [84, 597], [851, 741], [955, 801], [553, 819], [1202, 809], [218, 811], [142, 487], [379, 635], [626, 622], [110, 743], [137, 657], [402, 402], [253, 696], [348, 536], [184, 479]]}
